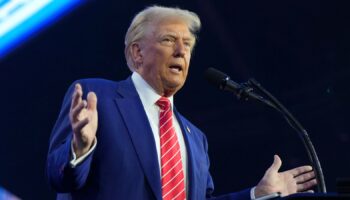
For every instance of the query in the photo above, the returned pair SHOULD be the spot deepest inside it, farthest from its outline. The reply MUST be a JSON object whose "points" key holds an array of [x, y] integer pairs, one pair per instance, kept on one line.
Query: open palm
{"points": [[84, 120], [299, 179]]}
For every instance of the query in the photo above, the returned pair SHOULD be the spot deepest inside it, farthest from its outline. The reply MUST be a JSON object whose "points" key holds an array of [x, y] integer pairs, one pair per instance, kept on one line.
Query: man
{"points": [[132, 143]]}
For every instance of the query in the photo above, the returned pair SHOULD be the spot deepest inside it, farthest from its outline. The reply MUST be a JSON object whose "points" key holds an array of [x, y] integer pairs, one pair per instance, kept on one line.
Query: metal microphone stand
{"points": [[246, 92]]}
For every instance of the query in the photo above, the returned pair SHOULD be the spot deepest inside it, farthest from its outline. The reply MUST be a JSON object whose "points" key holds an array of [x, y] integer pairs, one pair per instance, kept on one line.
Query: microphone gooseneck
{"points": [[246, 91]]}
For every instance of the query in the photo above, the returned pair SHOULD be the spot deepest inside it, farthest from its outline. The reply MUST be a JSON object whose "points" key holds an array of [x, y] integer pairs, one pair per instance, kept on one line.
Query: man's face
{"points": [[164, 55]]}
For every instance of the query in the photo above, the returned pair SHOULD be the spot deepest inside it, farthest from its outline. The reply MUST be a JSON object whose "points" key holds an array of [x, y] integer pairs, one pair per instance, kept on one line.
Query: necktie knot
{"points": [[163, 103]]}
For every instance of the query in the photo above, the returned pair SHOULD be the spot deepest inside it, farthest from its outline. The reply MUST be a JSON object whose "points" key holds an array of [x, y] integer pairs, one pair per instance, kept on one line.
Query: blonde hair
{"points": [[140, 22]]}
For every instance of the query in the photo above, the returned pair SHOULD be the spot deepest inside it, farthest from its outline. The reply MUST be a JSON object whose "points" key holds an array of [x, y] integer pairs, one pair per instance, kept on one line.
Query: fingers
{"points": [[306, 186], [305, 181], [300, 170], [91, 101], [276, 165], [77, 103], [77, 95], [79, 108], [305, 177], [79, 125]]}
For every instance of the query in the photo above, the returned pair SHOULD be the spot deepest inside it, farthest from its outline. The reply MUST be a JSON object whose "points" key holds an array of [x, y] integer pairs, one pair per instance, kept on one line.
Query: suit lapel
{"points": [[140, 132], [189, 143]]}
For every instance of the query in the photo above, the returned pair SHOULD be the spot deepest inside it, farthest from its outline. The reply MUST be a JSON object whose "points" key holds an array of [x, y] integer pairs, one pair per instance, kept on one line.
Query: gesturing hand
{"points": [[299, 179], [83, 119]]}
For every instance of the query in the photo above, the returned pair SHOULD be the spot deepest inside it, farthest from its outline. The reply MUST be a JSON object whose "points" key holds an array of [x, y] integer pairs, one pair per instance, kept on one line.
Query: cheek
{"points": [[188, 59], [160, 58]]}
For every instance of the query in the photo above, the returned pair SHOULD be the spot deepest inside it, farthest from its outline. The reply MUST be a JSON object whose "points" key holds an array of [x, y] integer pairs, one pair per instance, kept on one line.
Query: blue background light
{"points": [[38, 20]]}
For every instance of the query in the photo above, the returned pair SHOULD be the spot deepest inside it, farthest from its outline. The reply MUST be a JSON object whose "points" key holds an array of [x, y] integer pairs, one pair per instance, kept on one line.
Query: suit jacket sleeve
{"points": [[61, 175]]}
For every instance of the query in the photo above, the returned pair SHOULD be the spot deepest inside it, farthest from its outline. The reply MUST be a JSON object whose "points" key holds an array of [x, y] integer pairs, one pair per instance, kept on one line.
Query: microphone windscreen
{"points": [[215, 77]]}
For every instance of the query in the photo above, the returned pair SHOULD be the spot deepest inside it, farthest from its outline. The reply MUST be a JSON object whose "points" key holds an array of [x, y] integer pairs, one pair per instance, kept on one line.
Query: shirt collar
{"points": [[147, 94]]}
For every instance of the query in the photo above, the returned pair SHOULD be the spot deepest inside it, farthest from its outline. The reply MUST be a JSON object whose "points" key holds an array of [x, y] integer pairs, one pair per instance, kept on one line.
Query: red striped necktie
{"points": [[173, 179]]}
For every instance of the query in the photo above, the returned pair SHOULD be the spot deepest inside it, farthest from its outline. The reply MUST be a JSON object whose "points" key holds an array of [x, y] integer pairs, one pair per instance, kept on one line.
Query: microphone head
{"points": [[216, 77]]}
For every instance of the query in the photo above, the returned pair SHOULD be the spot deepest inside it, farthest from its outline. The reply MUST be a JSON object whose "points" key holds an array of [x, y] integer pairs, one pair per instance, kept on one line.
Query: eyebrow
{"points": [[175, 35]]}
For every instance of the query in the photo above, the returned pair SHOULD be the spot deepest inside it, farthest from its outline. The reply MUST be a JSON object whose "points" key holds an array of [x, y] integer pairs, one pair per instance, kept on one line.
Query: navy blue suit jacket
{"points": [[124, 164]]}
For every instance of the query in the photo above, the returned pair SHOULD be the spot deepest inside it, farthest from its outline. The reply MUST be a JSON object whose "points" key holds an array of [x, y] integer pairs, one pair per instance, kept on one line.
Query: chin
{"points": [[172, 89], [178, 85]]}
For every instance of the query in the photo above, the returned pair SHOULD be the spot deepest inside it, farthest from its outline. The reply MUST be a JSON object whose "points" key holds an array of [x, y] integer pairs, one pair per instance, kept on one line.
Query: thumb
{"points": [[91, 101], [276, 165]]}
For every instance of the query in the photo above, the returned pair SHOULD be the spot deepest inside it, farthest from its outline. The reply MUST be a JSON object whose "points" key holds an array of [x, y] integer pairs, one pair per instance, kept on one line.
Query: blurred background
{"points": [[298, 50]]}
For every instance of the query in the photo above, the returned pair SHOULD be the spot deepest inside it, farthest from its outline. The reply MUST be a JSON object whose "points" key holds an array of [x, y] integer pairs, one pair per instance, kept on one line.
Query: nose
{"points": [[180, 49]]}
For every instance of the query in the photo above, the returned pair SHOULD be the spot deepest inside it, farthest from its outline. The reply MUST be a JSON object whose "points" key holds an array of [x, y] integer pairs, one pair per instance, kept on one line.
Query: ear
{"points": [[136, 54]]}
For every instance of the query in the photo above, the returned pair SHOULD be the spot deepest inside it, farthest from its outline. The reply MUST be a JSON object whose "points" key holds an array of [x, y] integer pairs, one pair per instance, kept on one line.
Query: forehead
{"points": [[170, 26]]}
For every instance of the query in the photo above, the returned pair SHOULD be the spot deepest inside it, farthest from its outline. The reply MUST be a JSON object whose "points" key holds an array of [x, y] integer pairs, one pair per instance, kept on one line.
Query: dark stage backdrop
{"points": [[298, 50]]}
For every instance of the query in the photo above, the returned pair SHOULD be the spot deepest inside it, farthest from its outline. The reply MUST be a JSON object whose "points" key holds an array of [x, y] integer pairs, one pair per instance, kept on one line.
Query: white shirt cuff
{"points": [[252, 193], [74, 162], [266, 197]]}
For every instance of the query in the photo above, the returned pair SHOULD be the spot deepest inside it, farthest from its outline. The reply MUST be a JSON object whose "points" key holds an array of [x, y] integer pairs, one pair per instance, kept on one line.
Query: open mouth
{"points": [[176, 68]]}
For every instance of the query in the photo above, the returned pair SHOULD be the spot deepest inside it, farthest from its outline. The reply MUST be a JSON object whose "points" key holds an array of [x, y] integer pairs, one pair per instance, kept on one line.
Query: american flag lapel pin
{"points": [[188, 129]]}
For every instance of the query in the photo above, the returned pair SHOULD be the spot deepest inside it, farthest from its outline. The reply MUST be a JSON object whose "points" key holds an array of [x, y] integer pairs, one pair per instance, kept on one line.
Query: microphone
{"points": [[223, 82]]}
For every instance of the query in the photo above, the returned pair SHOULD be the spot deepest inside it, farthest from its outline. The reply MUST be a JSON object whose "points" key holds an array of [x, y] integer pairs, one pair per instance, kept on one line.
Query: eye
{"points": [[168, 40], [188, 44]]}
